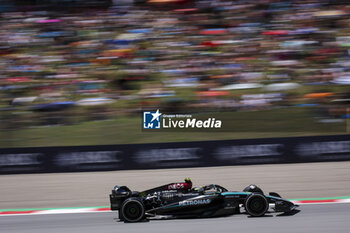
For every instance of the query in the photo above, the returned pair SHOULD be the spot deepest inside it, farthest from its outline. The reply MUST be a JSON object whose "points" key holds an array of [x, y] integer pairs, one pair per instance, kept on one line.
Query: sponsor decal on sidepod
{"points": [[195, 202]]}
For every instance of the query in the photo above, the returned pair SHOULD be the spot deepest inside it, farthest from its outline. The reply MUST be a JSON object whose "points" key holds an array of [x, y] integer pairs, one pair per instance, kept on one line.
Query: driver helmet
{"points": [[188, 180]]}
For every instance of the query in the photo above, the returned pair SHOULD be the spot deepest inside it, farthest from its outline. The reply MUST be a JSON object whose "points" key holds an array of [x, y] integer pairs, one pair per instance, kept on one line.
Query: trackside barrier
{"points": [[173, 155]]}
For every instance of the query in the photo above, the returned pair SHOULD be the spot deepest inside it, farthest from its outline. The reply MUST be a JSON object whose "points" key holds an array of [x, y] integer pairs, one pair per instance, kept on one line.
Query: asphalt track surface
{"points": [[325, 218], [306, 180]]}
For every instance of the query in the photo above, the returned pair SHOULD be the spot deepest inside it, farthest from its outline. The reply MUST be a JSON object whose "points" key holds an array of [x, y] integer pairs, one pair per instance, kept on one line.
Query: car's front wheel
{"points": [[256, 205], [132, 210]]}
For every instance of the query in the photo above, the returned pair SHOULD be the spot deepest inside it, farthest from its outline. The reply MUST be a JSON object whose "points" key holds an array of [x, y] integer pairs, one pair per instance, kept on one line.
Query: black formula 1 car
{"points": [[208, 201]]}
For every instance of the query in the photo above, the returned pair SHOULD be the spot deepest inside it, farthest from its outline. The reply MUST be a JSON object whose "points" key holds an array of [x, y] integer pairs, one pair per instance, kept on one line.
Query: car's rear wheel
{"points": [[256, 205], [132, 210]]}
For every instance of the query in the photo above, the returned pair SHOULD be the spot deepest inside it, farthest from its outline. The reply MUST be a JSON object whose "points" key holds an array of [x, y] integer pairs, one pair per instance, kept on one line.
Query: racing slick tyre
{"points": [[132, 210], [256, 204]]}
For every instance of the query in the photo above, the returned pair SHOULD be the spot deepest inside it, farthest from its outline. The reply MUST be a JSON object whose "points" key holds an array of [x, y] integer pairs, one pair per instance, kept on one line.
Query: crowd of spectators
{"points": [[232, 55]]}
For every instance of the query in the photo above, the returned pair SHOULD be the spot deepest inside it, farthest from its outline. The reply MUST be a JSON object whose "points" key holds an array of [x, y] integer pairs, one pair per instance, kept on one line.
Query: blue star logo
{"points": [[151, 120]]}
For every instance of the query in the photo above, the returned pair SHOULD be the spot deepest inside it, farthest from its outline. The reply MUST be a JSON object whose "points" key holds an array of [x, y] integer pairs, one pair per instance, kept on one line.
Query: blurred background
{"points": [[80, 72]]}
